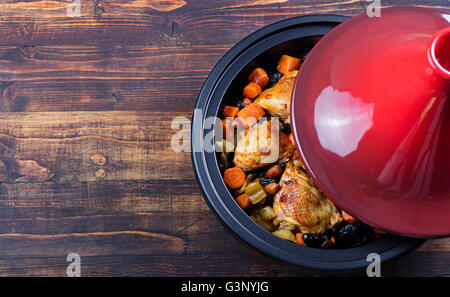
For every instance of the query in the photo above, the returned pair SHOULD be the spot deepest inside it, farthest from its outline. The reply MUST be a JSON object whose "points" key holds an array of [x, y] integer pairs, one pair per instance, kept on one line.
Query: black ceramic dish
{"points": [[293, 36]]}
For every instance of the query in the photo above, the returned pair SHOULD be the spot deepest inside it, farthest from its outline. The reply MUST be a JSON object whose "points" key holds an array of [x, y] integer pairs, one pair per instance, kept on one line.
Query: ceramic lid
{"points": [[370, 115]]}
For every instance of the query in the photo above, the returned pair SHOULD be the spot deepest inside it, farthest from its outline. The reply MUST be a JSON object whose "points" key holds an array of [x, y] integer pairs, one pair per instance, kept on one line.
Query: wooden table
{"points": [[85, 127]]}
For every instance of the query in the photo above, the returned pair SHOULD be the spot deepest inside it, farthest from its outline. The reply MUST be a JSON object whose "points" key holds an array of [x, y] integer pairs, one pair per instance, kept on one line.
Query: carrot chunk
{"points": [[230, 111], [247, 101], [299, 239], [260, 77], [228, 129], [244, 201], [288, 63], [250, 114], [234, 177], [292, 140], [347, 218], [252, 90]]}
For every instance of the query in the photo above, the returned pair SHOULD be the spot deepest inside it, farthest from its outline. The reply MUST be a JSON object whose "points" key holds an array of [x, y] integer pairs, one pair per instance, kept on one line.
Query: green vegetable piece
{"points": [[267, 225], [284, 234], [247, 181], [267, 213], [255, 192]]}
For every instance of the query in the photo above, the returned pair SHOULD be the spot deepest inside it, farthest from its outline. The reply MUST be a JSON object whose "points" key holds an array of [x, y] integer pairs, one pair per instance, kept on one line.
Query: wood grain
{"points": [[93, 78], [65, 142], [86, 110]]}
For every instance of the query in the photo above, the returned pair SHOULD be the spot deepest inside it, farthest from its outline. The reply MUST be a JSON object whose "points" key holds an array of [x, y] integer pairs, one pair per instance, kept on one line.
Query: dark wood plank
{"points": [[172, 22], [49, 200], [47, 221], [118, 60], [66, 78], [246, 263], [60, 146], [176, 22]]}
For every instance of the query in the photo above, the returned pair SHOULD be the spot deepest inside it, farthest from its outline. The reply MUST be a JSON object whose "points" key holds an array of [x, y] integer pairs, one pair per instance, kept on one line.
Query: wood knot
{"points": [[117, 97], [28, 51], [31, 171], [99, 9], [25, 31], [99, 159], [10, 99], [10, 92]]}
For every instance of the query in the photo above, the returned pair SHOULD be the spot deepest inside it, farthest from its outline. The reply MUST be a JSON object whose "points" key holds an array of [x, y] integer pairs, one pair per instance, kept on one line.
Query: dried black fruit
{"points": [[353, 235], [273, 79], [266, 180], [286, 128], [313, 240], [327, 244]]}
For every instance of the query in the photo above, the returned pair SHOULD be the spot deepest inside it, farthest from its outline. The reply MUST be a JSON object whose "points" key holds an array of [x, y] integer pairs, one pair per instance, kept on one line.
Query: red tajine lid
{"points": [[371, 118]]}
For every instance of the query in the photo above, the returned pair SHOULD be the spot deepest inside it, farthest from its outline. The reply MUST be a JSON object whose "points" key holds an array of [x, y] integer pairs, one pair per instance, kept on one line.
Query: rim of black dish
{"points": [[207, 171]]}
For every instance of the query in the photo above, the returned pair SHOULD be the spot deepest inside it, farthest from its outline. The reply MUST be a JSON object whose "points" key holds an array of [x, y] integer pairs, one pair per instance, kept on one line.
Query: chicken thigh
{"points": [[277, 100], [300, 205], [259, 147]]}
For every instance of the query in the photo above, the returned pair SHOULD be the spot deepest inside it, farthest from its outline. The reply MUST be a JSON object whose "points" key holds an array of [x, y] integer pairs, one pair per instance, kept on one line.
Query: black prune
{"points": [[274, 78], [327, 244], [225, 161], [353, 235], [329, 233], [313, 240], [266, 180], [325, 237], [286, 128]]}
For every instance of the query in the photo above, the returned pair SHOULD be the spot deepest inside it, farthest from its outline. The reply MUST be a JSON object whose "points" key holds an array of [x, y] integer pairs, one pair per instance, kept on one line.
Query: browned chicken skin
{"points": [[277, 100], [259, 147], [300, 205]]}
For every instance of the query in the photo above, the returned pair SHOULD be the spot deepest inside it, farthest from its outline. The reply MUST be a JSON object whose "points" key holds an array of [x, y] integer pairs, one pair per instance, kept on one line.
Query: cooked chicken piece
{"points": [[263, 145], [300, 205], [296, 159], [277, 100]]}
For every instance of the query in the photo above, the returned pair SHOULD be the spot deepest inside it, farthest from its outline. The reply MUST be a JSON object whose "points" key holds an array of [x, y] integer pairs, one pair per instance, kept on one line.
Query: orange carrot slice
{"points": [[244, 201], [288, 63], [252, 90], [247, 101], [230, 111], [299, 239], [260, 77], [228, 129], [347, 218], [250, 114], [234, 177]]}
